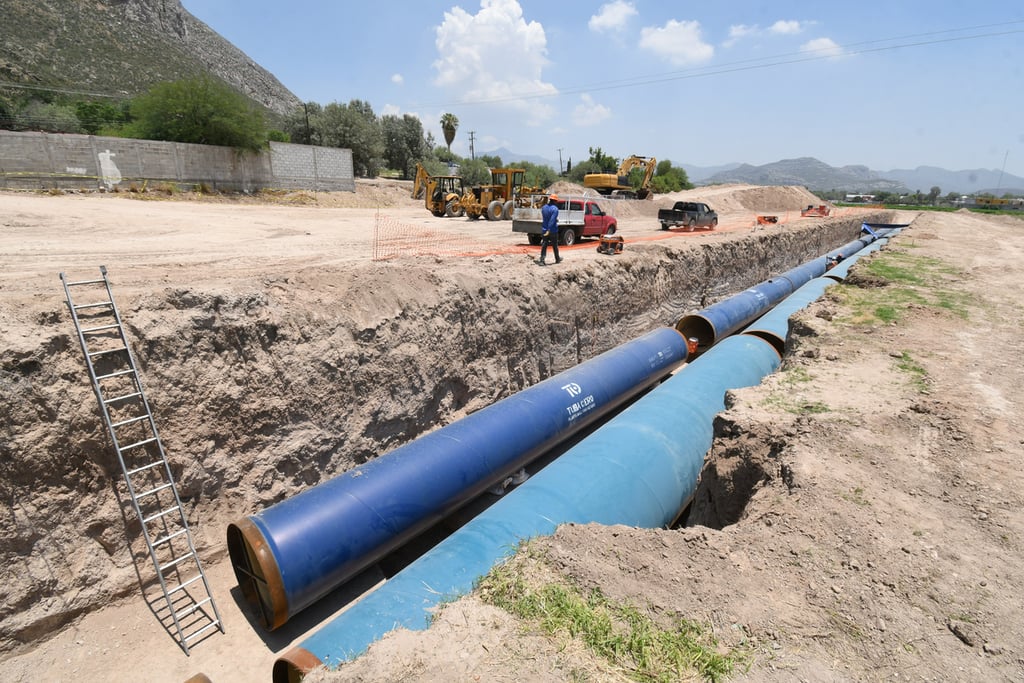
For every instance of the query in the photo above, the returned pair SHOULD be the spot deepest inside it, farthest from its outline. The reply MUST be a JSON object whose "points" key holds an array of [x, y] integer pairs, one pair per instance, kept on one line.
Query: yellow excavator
{"points": [[617, 184], [442, 194]]}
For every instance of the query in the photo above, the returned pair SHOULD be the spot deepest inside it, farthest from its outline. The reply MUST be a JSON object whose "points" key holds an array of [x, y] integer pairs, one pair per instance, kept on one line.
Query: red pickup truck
{"points": [[577, 217]]}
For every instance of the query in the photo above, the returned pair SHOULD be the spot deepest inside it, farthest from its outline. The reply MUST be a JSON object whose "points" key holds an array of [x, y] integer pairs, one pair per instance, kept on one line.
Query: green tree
{"points": [[449, 124], [492, 160], [583, 168], [607, 164], [404, 143], [475, 172], [354, 126], [47, 116], [95, 117], [934, 193], [304, 125], [669, 178], [537, 175], [200, 110]]}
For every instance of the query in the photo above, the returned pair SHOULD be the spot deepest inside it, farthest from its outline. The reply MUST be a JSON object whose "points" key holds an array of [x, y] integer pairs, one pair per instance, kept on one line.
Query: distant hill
{"points": [[819, 176], [809, 172], [977, 180], [509, 157], [698, 174], [123, 47]]}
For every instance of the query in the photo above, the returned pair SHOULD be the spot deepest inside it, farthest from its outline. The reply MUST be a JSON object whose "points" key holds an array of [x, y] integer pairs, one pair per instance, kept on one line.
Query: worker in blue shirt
{"points": [[549, 228]]}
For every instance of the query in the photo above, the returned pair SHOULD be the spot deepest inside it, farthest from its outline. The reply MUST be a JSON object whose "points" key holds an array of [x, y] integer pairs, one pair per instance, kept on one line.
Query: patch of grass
{"points": [[615, 631], [912, 281], [918, 375], [787, 399], [856, 496]]}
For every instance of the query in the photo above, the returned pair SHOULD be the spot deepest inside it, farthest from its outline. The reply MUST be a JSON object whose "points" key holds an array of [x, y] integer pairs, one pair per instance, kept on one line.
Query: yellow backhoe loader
{"points": [[441, 194], [617, 184], [496, 201]]}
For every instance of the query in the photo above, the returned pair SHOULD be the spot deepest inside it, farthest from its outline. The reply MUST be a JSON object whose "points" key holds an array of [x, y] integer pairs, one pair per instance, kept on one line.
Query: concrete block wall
{"points": [[31, 160]]}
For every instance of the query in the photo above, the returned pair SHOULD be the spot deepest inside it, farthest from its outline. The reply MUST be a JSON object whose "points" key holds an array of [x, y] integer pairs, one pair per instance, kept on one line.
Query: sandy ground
{"points": [[878, 539]]}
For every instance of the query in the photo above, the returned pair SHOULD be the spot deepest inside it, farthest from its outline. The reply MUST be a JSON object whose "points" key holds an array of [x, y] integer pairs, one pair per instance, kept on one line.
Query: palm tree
{"points": [[449, 122]]}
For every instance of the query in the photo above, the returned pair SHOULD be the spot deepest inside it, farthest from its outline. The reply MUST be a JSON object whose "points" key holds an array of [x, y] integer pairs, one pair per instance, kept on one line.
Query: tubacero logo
{"points": [[573, 389]]}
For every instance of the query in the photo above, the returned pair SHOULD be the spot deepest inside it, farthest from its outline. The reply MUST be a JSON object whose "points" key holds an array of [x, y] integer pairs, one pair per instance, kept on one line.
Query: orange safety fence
{"points": [[392, 239]]}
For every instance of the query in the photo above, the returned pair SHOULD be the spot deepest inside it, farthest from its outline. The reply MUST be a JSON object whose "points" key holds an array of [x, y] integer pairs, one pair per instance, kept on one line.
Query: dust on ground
{"points": [[876, 536]]}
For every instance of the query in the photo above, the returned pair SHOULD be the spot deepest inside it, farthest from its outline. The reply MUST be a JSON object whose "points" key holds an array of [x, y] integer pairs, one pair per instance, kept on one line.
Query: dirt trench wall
{"points": [[267, 386]]}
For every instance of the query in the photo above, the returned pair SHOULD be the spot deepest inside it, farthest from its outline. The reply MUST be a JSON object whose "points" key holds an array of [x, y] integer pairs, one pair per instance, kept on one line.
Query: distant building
{"points": [[860, 198]]}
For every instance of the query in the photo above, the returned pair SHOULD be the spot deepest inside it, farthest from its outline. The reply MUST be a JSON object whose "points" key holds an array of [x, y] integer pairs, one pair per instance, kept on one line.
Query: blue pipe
{"points": [[638, 469], [295, 552], [709, 325]]}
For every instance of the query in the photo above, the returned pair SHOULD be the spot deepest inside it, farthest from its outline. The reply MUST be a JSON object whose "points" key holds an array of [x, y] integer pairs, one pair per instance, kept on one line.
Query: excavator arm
{"points": [[419, 184]]}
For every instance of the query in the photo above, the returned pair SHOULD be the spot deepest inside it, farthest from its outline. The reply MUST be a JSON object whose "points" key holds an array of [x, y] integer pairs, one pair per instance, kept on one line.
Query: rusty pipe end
{"points": [[699, 328], [294, 664], [258, 575]]}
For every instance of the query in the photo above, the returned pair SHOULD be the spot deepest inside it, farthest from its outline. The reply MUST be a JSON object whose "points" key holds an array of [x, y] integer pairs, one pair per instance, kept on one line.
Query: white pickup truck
{"points": [[577, 217]]}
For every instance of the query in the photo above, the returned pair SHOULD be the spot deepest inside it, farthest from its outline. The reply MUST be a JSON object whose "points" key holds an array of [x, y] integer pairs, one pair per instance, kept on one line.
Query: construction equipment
{"points": [[820, 211], [147, 473], [441, 194], [617, 184], [496, 201], [610, 244], [767, 220]]}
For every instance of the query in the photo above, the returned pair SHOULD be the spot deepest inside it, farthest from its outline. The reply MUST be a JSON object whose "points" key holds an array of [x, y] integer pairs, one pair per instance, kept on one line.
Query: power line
{"points": [[748, 65], [66, 91]]}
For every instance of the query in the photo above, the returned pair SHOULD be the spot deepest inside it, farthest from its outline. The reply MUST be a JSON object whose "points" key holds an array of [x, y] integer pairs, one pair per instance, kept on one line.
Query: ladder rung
{"points": [[86, 282], [116, 374], [152, 491], [160, 514], [176, 561], [112, 326], [184, 585], [169, 537], [136, 445], [145, 467], [213, 624], [95, 305], [93, 354], [123, 398], [129, 421], [191, 608]]}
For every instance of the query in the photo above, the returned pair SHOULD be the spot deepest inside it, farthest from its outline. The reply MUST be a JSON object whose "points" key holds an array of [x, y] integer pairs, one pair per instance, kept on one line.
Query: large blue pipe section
{"points": [[773, 327], [292, 553], [709, 325], [639, 469]]}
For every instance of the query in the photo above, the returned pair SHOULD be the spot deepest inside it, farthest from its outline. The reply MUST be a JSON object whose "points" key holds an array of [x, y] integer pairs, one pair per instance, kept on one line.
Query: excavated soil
{"points": [[877, 538]]}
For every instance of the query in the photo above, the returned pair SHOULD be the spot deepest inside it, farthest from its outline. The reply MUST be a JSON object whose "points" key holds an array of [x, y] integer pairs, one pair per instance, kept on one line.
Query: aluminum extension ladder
{"points": [[147, 474]]}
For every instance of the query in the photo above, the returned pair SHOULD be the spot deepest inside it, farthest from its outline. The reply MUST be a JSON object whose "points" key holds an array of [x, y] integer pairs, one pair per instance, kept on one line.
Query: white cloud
{"points": [[612, 16], [738, 31], [588, 112], [677, 41], [496, 55], [823, 47], [397, 79], [786, 27], [390, 110]]}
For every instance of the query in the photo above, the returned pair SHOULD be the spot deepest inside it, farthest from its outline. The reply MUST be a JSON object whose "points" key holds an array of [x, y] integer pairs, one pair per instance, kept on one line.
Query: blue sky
{"points": [[884, 84]]}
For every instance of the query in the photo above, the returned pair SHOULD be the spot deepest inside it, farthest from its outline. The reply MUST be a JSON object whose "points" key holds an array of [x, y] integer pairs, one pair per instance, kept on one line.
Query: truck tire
{"points": [[568, 236], [692, 224], [714, 223], [451, 209], [664, 226], [506, 211], [534, 239], [494, 211]]}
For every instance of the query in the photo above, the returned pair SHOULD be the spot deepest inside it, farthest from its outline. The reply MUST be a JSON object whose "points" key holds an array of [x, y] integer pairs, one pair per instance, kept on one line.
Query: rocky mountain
{"points": [[970, 181], [817, 175], [121, 47], [811, 173]]}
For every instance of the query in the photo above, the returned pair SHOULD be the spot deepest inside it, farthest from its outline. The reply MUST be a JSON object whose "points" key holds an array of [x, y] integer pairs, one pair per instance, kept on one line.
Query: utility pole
{"points": [[472, 151], [560, 171]]}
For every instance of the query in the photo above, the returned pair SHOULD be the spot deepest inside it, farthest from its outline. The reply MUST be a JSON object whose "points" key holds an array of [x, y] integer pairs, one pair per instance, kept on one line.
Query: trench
{"points": [[271, 387]]}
